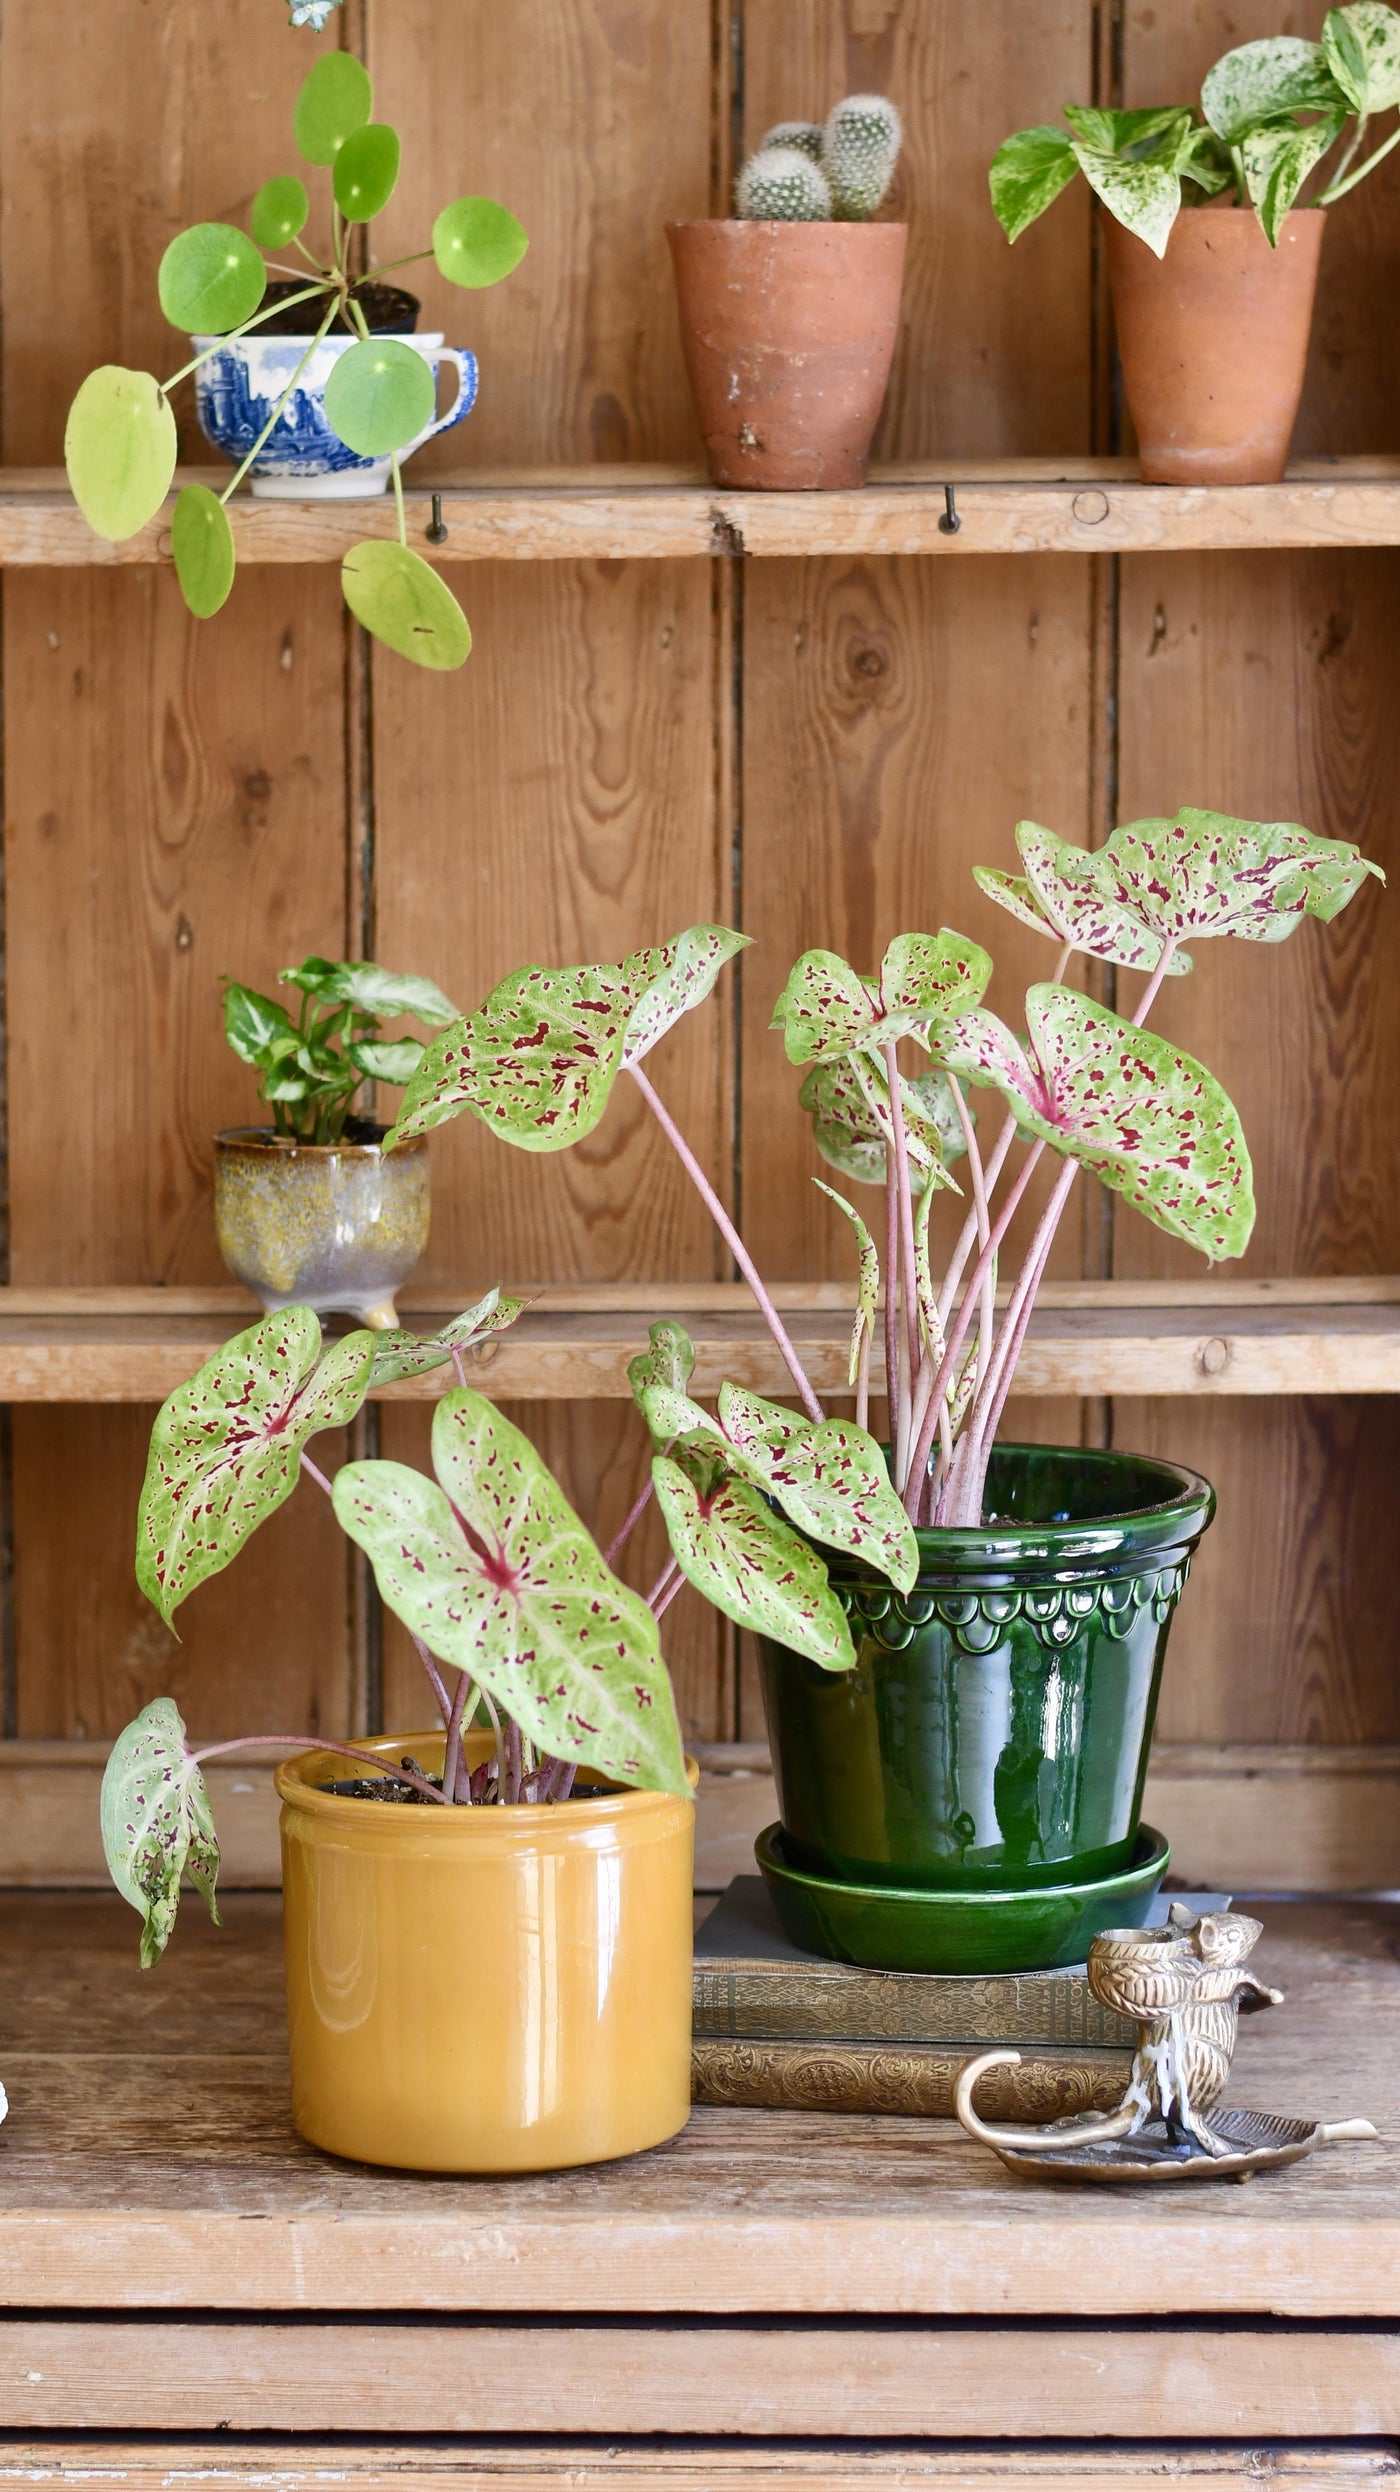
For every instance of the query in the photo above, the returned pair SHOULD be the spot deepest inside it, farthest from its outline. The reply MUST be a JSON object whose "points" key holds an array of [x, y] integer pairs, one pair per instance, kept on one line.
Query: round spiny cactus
{"points": [[860, 145], [804, 135], [783, 184]]}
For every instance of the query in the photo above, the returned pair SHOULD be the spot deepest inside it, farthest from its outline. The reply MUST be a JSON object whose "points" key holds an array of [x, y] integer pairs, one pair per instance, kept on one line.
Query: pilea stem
{"points": [[733, 1241], [241, 331], [241, 471]]}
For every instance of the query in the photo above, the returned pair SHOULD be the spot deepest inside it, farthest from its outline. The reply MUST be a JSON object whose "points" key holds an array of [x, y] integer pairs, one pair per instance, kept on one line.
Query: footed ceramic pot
{"points": [[486, 1989], [1213, 340], [334, 1226], [993, 1736]]}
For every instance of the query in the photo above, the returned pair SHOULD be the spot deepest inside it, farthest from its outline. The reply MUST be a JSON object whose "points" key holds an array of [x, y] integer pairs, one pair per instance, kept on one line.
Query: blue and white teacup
{"points": [[302, 459]]}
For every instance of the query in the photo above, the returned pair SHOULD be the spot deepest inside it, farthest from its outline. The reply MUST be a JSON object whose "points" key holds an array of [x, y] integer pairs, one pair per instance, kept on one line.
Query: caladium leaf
{"points": [[495, 1572], [1259, 82], [1029, 171], [226, 1447], [867, 1282], [852, 1137], [1197, 873], [156, 1824], [681, 975], [1362, 44], [398, 1354], [729, 1543], [667, 1364], [1278, 162], [925, 1294], [927, 1108], [1149, 1121], [826, 1010], [832, 1481], [1070, 905]]}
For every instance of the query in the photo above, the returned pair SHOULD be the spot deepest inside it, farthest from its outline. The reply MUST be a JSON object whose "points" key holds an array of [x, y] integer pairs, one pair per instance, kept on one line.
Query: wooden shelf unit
{"points": [[1163, 1338], [652, 512]]}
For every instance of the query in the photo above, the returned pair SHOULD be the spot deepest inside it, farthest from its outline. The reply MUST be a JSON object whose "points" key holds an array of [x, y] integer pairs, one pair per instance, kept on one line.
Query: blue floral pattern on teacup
{"points": [[237, 389]]}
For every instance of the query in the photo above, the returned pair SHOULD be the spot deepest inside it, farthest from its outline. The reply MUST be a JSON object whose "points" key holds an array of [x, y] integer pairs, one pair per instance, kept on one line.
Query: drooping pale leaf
{"points": [[1079, 899], [867, 1278], [476, 242], [925, 1133], [366, 171], [495, 1572], [1147, 1119], [211, 279], [1143, 196], [1194, 874], [831, 1480], [279, 212], [379, 396], [668, 1362], [156, 1824], [749, 1563], [1028, 172], [1157, 132], [119, 448], [1278, 162], [406, 604], [335, 100], [226, 1447], [398, 1354], [254, 1024], [925, 1291], [826, 1009], [850, 1112], [383, 992], [1258, 82], [1362, 45], [680, 975], [201, 541], [392, 1060]]}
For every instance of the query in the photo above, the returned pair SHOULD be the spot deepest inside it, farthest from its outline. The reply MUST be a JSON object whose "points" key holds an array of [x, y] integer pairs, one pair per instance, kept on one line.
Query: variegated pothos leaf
{"points": [[750, 1564], [226, 1447], [1362, 44], [156, 1823], [1259, 82], [494, 1570], [398, 1354]]}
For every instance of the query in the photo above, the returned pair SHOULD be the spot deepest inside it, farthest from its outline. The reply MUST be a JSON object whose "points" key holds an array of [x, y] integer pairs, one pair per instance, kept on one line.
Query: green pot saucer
{"points": [[901, 1929]]}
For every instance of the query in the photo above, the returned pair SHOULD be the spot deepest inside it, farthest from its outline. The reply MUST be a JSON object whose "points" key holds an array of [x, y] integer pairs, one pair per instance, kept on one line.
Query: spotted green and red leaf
{"points": [[867, 1277], [226, 1447], [666, 1365], [1064, 895], [826, 1010], [398, 1354], [848, 1101], [156, 1823], [680, 975], [493, 1569], [1147, 1119], [750, 1564]]}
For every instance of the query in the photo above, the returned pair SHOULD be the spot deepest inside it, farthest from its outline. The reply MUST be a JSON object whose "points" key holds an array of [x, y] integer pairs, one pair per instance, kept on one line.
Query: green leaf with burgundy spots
{"points": [[666, 1365], [156, 1824], [826, 1010], [849, 1104], [494, 1570], [1194, 874], [226, 1447], [398, 1354], [1066, 898], [867, 1278], [680, 975], [1152, 1123], [832, 1481], [752, 1566]]}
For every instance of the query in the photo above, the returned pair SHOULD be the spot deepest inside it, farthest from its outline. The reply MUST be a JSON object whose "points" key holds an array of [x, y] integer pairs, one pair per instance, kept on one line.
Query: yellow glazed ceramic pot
{"points": [[485, 1989], [332, 1225]]}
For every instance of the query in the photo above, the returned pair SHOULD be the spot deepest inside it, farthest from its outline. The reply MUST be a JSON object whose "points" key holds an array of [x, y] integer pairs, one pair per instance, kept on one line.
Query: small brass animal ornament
{"points": [[1185, 1986]]}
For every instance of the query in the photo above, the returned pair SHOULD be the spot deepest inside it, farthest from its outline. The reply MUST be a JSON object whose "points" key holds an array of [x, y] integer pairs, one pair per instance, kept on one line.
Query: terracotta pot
{"points": [[1213, 339], [789, 333], [337, 1226], [485, 1989]]}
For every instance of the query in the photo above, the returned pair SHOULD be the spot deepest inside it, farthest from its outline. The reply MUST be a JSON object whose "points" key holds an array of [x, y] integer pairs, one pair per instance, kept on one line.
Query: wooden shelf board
{"points": [[1006, 506], [1166, 1339], [149, 2165]]}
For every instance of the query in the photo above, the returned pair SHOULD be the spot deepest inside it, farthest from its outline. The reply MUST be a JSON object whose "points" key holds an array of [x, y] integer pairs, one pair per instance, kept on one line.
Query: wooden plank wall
{"points": [[818, 751]]}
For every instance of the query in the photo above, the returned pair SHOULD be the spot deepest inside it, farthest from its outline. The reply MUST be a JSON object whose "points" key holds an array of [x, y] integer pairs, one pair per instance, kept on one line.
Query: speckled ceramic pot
{"points": [[335, 1226]]}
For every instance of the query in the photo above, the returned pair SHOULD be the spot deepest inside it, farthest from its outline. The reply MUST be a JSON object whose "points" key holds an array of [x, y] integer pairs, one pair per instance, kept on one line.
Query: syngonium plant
{"points": [[311, 1069], [120, 443], [510, 1603], [1270, 113]]}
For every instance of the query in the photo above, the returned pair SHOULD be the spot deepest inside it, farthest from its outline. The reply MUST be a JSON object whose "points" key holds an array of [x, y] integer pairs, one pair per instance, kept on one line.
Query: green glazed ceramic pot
{"points": [[994, 1733], [335, 1226]]}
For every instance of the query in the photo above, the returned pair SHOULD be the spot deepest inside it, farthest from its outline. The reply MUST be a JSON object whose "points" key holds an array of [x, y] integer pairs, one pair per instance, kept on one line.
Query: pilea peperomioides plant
{"points": [[1269, 114], [120, 443]]}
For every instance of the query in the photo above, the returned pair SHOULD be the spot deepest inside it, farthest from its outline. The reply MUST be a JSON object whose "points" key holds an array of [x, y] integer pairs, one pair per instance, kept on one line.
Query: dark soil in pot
{"points": [[995, 1730], [390, 311]]}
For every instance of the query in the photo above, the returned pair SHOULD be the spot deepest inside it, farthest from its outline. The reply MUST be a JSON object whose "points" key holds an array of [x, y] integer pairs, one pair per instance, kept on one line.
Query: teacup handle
{"points": [[462, 404]]}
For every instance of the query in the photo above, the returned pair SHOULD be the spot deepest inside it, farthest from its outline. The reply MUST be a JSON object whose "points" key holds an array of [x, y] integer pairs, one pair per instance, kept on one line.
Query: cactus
{"points": [[860, 145], [782, 183], [804, 135]]}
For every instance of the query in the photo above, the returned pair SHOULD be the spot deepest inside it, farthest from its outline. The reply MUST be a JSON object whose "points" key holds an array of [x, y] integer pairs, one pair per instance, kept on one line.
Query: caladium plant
{"points": [[1270, 113], [215, 283], [311, 1067]]}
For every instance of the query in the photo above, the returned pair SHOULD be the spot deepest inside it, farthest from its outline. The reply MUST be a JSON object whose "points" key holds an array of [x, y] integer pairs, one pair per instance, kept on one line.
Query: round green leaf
{"points": [[476, 242], [380, 395], [280, 210], [202, 543], [336, 99], [211, 279], [119, 449], [366, 170], [406, 604]]}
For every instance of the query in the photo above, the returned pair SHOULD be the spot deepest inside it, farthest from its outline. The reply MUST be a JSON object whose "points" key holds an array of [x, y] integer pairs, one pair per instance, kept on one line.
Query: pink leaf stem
{"points": [[906, 1206], [313, 1747], [459, 1367], [511, 1793], [996, 1383], [620, 1538], [892, 1359], [659, 1608], [964, 1245], [947, 1366], [314, 1472], [980, 1454], [456, 1785], [733, 1241], [863, 1379], [672, 1567]]}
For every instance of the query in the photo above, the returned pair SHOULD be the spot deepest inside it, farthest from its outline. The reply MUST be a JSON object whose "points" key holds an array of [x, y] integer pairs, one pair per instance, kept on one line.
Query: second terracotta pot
{"points": [[789, 334], [1213, 339]]}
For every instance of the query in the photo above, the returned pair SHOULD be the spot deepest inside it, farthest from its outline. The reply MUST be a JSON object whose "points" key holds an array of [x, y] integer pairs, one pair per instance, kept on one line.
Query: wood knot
{"points": [[1213, 1357]]}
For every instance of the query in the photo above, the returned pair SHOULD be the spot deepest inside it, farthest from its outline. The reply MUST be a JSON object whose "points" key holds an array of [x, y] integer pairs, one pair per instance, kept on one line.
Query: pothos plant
{"points": [[311, 1068], [120, 443], [511, 1604], [1270, 113]]}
